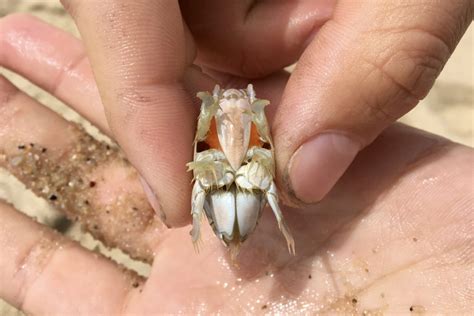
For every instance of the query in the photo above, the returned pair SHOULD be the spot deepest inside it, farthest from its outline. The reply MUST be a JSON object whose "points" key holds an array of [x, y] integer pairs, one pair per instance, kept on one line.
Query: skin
{"points": [[362, 64], [393, 236]]}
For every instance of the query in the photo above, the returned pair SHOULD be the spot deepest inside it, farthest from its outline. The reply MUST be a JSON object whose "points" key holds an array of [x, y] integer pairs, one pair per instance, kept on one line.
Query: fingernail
{"points": [[153, 200], [317, 165]]}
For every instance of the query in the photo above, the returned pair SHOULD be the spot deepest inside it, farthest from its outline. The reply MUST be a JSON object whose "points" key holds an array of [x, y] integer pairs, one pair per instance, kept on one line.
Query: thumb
{"points": [[369, 65]]}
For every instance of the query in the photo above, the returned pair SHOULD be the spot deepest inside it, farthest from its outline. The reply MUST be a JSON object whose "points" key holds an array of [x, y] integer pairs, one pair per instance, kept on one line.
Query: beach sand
{"points": [[448, 111]]}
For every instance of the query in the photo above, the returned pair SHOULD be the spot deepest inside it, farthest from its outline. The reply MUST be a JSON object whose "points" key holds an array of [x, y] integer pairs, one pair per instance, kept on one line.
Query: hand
{"points": [[393, 236], [361, 65]]}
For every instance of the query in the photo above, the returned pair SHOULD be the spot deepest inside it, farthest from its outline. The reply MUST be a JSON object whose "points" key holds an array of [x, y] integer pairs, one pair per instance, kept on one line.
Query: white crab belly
{"points": [[233, 214]]}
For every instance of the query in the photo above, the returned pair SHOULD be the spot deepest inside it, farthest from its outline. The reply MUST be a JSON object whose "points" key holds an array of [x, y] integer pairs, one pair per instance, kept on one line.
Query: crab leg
{"points": [[197, 207], [272, 198], [207, 113], [255, 176]]}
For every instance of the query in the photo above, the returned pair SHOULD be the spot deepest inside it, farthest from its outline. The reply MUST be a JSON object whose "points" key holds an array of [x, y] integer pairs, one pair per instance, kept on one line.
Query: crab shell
{"points": [[233, 166]]}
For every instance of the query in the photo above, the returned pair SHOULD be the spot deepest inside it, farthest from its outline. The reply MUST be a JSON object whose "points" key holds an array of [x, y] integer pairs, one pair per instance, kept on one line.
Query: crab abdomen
{"points": [[233, 214]]}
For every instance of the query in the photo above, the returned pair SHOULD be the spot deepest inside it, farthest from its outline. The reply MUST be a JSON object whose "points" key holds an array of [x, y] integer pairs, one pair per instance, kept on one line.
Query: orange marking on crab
{"points": [[254, 137], [212, 140]]}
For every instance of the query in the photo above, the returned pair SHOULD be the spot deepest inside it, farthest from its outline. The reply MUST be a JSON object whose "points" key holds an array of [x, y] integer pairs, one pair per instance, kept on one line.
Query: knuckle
{"points": [[68, 68], [426, 52], [404, 73], [147, 110]]}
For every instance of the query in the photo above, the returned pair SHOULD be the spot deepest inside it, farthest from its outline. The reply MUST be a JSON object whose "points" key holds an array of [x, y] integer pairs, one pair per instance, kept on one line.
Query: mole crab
{"points": [[233, 167]]}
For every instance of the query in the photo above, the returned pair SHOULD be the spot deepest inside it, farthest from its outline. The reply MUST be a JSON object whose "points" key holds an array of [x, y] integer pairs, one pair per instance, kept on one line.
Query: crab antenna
{"points": [[215, 93], [251, 92]]}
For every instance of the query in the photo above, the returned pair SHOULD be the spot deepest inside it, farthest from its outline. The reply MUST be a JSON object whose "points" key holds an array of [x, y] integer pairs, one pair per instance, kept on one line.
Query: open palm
{"points": [[394, 235]]}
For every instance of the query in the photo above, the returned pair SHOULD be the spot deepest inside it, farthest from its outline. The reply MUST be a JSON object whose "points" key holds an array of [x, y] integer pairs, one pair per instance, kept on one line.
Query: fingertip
{"points": [[168, 217], [16, 22]]}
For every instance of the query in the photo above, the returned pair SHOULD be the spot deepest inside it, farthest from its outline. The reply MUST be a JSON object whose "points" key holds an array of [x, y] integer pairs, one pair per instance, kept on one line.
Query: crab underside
{"points": [[233, 167]]}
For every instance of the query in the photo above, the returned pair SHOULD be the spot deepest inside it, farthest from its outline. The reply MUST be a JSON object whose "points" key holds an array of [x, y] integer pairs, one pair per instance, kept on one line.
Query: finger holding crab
{"points": [[88, 180], [92, 184]]}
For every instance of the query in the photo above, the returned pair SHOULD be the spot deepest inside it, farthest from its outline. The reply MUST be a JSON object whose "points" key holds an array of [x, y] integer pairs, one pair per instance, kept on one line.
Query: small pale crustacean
{"points": [[233, 167]]}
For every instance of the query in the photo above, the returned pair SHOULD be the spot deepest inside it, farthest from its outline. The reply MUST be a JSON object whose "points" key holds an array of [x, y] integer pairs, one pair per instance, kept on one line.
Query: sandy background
{"points": [[448, 111]]}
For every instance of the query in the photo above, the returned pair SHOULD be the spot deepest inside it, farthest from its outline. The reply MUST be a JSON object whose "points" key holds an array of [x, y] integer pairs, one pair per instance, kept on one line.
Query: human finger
{"points": [[67, 75], [29, 47], [90, 181], [241, 37], [44, 273], [370, 64], [140, 54]]}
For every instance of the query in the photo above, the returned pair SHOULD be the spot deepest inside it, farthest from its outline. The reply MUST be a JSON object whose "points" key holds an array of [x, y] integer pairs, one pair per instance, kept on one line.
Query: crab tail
{"points": [[234, 249]]}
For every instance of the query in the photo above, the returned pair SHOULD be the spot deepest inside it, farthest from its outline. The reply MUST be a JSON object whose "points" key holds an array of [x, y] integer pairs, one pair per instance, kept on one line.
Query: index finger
{"points": [[140, 53]]}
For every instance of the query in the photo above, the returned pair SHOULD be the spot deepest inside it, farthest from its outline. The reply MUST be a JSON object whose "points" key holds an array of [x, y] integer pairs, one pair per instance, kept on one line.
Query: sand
{"points": [[448, 111]]}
